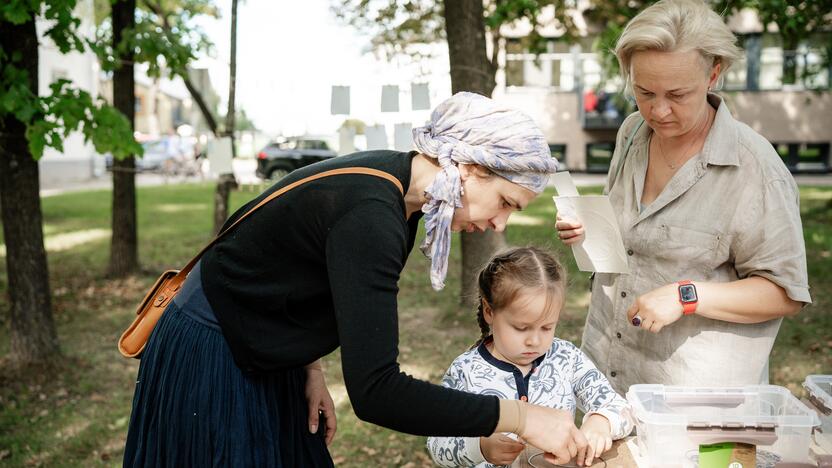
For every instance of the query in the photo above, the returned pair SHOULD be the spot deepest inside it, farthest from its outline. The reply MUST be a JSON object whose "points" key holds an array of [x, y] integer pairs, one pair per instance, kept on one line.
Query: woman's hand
{"points": [[657, 308], [319, 401], [499, 449], [570, 232], [554, 432], [596, 429]]}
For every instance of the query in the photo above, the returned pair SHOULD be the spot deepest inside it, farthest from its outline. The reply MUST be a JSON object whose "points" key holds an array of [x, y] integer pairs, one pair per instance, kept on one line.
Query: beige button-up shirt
{"points": [[730, 212]]}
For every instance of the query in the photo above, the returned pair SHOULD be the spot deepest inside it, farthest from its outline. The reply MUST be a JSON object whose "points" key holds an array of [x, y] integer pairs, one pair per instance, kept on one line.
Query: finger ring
{"points": [[637, 321]]}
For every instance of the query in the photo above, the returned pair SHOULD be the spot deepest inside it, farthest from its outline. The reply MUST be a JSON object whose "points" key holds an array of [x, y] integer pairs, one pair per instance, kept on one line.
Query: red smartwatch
{"points": [[688, 297]]}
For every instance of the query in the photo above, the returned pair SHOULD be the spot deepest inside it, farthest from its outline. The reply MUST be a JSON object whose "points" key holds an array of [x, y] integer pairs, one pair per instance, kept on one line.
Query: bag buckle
{"points": [[160, 299]]}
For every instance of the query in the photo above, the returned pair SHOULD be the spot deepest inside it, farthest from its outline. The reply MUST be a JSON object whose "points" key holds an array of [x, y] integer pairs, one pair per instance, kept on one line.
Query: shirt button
{"points": [[618, 335], [629, 251], [623, 294], [612, 374]]}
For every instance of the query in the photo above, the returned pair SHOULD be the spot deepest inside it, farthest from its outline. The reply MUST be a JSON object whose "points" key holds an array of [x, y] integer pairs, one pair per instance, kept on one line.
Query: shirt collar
{"points": [[723, 137], [502, 365]]}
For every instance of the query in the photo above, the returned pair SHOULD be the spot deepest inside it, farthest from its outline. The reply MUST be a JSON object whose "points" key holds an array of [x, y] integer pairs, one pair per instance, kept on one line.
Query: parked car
{"points": [[159, 154], [282, 157]]}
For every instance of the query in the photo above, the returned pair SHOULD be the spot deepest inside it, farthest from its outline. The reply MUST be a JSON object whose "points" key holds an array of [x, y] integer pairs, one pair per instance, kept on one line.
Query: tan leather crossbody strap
{"points": [[347, 170]]}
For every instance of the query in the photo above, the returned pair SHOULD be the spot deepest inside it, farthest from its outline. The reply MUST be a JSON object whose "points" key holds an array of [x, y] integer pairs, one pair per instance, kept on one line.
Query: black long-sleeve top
{"points": [[318, 268]]}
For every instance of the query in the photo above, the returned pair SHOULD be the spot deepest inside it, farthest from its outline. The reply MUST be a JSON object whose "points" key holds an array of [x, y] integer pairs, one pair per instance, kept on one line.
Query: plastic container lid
{"points": [[712, 406], [820, 392]]}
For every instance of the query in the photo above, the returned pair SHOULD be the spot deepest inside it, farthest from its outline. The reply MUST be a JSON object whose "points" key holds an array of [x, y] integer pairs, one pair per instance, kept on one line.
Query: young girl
{"points": [[521, 294]]}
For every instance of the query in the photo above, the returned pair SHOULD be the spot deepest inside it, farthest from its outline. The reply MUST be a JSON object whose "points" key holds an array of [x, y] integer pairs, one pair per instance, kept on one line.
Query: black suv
{"points": [[282, 157]]}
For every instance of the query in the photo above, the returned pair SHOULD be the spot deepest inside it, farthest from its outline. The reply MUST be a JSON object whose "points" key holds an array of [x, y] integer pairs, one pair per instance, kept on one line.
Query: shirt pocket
{"points": [[688, 253]]}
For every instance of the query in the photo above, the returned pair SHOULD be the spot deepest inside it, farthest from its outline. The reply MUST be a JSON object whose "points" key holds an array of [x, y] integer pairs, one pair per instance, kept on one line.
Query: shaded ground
{"points": [[75, 412]]}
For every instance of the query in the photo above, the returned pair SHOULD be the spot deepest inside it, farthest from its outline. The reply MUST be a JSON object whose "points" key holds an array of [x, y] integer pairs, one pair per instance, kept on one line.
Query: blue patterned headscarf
{"points": [[471, 129]]}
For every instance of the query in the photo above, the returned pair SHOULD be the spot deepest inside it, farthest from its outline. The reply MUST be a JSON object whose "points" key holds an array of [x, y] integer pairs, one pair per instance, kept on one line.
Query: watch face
{"points": [[687, 293]]}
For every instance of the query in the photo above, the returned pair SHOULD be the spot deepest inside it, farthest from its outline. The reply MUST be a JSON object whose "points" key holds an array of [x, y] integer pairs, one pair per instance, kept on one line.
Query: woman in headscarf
{"points": [[231, 375], [709, 216]]}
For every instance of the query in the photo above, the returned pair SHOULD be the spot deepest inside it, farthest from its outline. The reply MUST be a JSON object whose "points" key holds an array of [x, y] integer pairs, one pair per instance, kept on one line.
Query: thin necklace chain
{"points": [[675, 165]]}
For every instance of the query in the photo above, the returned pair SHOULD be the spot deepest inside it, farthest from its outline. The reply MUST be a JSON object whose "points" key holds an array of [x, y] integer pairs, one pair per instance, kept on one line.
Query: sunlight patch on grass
{"points": [[180, 207], [69, 240], [519, 219], [579, 300], [338, 392], [419, 371], [73, 429], [809, 194]]}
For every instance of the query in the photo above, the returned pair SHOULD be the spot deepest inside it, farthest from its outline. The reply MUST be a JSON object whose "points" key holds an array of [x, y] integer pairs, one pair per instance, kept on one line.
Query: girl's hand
{"points": [[570, 232], [596, 428], [657, 308], [499, 449], [319, 401]]}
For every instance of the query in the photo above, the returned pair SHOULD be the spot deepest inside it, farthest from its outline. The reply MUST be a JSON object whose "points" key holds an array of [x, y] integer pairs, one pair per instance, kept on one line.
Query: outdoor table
{"points": [[619, 456]]}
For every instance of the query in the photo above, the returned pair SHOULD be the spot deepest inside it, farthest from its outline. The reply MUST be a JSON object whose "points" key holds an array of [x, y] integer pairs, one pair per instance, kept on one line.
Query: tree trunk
{"points": [[124, 247], [227, 182], [470, 71], [200, 102], [225, 185], [232, 80], [33, 337]]}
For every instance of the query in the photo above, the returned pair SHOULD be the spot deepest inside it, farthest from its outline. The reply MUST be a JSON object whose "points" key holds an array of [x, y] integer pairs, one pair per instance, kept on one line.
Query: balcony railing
{"points": [[604, 111]]}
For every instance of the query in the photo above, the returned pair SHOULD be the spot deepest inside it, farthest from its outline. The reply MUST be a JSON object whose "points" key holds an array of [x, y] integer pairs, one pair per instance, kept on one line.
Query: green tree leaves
{"points": [[51, 118]]}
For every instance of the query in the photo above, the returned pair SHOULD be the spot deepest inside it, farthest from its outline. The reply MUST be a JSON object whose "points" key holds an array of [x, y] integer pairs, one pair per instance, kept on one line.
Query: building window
{"points": [[736, 78], [811, 70], [553, 68], [59, 74], [514, 73], [536, 73], [804, 157], [592, 71], [558, 151], [771, 62], [599, 156], [803, 68]]}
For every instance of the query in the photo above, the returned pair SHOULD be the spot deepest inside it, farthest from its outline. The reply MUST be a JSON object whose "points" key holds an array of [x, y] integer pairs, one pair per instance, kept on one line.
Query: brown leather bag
{"points": [[150, 309]]}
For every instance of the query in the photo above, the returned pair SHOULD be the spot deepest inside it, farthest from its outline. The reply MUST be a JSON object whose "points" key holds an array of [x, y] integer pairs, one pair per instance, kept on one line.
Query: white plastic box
{"points": [[673, 421]]}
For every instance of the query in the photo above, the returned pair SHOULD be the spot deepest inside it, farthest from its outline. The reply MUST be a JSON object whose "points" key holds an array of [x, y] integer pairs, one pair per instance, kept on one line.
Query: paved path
{"points": [[244, 170]]}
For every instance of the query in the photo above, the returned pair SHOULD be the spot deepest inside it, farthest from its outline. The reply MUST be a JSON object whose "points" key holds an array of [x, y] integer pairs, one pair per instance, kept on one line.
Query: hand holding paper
{"points": [[602, 249]]}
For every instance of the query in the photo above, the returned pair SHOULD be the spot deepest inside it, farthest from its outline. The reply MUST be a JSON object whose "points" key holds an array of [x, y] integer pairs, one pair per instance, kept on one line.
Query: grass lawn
{"points": [[75, 412]]}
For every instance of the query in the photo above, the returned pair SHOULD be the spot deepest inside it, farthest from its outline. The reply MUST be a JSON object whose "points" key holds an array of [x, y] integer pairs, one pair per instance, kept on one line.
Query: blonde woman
{"points": [[708, 212]]}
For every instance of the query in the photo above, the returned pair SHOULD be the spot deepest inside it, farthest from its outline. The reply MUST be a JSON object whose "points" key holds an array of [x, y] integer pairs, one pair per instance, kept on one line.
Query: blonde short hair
{"points": [[678, 26]]}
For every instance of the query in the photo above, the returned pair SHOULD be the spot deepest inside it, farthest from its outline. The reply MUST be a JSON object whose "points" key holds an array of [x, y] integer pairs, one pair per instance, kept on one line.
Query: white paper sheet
{"points": [[340, 103], [376, 137], [602, 250], [403, 137], [564, 184], [346, 140], [389, 98], [419, 96], [219, 156]]}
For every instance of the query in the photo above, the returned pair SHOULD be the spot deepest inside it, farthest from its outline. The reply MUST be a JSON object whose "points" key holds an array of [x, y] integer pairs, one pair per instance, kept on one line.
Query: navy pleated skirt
{"points": [[193, 407]]}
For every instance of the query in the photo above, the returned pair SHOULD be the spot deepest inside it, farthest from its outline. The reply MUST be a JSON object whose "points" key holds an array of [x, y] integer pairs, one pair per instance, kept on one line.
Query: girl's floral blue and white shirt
{"points": [[564, 378]]}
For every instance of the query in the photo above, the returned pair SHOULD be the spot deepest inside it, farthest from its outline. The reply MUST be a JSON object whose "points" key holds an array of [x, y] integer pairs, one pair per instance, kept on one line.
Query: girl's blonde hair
{"points": [[677, 26], [509, 272]]}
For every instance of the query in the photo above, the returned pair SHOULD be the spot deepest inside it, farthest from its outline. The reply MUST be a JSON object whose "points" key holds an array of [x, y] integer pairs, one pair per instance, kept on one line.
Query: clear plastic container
{"points": [[819, 389], [673, 421]]}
